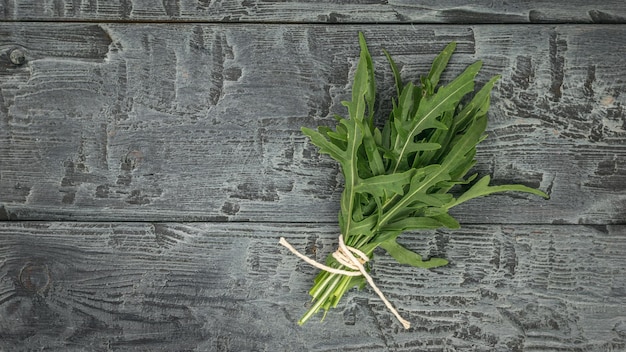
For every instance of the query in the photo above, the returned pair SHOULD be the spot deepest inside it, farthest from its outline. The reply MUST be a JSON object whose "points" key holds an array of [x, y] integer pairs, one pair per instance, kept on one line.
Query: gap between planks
{"points": [[309, 23]]}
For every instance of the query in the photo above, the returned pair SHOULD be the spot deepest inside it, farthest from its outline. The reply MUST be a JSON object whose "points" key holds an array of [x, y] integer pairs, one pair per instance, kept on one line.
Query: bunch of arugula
{"points": [[399, 178]]}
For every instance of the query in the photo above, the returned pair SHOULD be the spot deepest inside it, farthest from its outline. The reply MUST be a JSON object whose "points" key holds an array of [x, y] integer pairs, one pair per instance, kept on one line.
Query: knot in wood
{"points": [[35, 278], [17, 56]]}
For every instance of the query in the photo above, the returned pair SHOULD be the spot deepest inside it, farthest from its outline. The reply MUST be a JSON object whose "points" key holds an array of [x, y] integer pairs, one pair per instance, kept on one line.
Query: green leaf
{"points": [[326, 147], [447, 220], [379, 186], [361, 227], [350, 171], [405, 256], [398, 179], [440, 63], [430, 108], [396, 73], [412, 223], [405, 106], [431, 199], [422, 146], [440, 137], [463, 148], [481, 188], [372, 151], [365, 72], [477, 106], [423, 180]]}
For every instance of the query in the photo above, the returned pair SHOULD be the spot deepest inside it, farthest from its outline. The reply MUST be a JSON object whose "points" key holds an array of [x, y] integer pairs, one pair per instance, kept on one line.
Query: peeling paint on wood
{"points": [[169, 122], [340, 11], [213, 287], [122, 120]]}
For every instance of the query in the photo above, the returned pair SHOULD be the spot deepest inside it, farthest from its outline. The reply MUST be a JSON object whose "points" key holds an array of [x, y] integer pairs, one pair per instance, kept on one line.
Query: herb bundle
{"points": [[399, 177]]}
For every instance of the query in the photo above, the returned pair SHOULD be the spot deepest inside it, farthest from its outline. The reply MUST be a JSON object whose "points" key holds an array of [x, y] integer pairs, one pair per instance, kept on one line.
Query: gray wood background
{"points": [[150, 158]]}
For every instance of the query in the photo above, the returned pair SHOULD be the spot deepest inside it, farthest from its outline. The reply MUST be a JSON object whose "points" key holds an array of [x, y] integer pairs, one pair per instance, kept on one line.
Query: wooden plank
{"points": [[343, 11], [229, 286], [201, 122]]}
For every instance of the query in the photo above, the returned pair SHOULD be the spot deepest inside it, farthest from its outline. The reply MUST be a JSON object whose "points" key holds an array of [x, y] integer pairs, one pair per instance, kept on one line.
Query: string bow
{"points": [[354, 260]]}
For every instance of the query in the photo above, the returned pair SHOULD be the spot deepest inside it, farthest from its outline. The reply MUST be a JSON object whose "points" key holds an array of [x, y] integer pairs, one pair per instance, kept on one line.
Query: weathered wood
{"points": [[342, 11], [108, 119], [231, 287], [201, 122]]}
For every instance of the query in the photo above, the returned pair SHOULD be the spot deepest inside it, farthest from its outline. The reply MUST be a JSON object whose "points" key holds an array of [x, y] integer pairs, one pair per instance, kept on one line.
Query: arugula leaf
{"points": [[405, 256], [481, 188], [430, 108], [440, 63], [399, 178]]}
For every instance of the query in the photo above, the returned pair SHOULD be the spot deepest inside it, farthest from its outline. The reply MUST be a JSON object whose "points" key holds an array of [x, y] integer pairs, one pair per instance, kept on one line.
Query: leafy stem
{"points": [[398, 178]]}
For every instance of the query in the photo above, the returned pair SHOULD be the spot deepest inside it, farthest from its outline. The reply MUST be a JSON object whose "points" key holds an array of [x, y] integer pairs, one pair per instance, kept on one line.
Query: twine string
{"points": [[353, 259]]}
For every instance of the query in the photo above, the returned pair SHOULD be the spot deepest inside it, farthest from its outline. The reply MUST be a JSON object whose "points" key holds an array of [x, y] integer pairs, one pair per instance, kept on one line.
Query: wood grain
{"points": [[231, 287], [156, 147], [341, 11], [201, 122]]}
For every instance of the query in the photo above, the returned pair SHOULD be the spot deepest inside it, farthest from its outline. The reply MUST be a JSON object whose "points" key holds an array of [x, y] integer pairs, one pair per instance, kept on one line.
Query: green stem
{"points": [[329, 288]]}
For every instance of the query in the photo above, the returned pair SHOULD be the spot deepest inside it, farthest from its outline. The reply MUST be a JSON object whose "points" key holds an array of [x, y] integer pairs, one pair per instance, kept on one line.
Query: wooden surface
{"points": [[336, 11], [150, 158], [229, 287], [201, 122]]}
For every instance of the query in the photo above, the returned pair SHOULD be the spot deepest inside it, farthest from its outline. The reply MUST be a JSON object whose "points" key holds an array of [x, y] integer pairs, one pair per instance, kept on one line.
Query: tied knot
{"points": [[353, 259], [345, 255]]}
